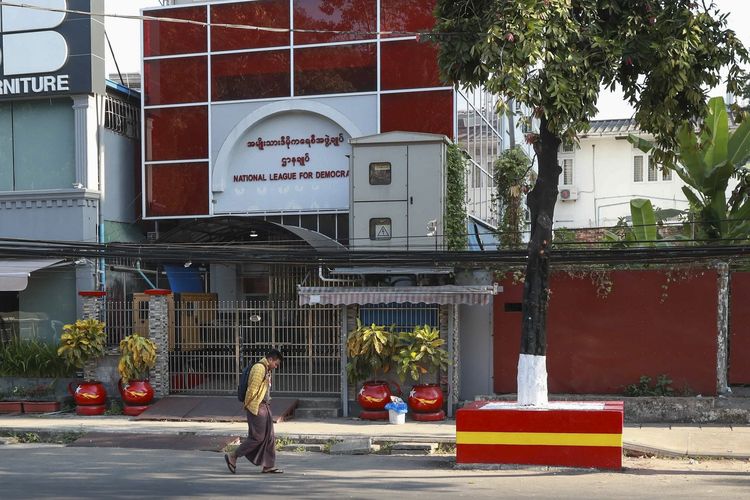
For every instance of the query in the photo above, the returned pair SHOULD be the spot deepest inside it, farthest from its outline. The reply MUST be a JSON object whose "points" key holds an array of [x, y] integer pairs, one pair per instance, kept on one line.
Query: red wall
{"points": [[600, 345], [739, 329]]}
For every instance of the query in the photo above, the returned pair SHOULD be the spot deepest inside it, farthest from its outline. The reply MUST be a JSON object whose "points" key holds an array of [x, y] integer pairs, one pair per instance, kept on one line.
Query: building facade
{"points": [[68, 157]]}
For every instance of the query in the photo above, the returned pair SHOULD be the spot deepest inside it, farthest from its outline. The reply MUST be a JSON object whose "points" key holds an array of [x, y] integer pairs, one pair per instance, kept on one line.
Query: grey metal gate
{"points": [[211, 341]]}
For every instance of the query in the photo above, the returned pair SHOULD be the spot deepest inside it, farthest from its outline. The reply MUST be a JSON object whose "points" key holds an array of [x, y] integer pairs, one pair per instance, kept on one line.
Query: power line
{"points": [[229, 25]]}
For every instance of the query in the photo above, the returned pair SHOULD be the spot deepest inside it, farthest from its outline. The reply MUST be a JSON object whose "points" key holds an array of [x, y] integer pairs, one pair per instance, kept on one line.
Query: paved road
{"points": [[48, 471]]}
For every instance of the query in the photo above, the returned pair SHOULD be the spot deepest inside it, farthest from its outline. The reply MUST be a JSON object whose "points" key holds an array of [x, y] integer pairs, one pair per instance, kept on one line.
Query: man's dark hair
{"points": [[275, 353]]}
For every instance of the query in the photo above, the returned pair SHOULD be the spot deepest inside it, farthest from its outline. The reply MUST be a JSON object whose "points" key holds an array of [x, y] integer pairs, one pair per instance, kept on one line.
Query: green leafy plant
{"points": [[644, 387], [138, 357], [419, 351], [82, 341], [455, 202], [513, 179], [369, 350], [706, 162], [32, 358]]}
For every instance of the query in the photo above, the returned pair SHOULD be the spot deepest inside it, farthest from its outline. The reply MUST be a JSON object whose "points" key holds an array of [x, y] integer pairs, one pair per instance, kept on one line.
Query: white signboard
{"points": [[290, 161]]}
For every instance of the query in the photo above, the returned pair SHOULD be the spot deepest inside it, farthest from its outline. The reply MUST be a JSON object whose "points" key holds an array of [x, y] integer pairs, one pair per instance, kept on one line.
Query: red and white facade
{"points": [[243, 121]]}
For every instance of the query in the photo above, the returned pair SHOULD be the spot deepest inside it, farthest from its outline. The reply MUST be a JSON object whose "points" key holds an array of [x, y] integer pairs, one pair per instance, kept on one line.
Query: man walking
{"points": [[260, 445]]}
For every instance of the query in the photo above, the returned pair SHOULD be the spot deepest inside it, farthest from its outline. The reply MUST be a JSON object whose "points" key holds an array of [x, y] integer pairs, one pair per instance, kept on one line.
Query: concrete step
{"points": [[318, 402], [303, 447], [413, 448], [303, 413]]}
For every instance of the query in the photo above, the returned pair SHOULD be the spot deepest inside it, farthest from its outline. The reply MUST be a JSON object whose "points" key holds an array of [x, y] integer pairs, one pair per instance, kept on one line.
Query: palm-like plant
{"points": [[706, 163], [369, 349], [419, 351]]}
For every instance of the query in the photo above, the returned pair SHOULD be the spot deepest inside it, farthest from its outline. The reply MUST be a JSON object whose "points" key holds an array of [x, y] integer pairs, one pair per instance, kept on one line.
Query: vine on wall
{"points": [[513, 179], [456, 237]]}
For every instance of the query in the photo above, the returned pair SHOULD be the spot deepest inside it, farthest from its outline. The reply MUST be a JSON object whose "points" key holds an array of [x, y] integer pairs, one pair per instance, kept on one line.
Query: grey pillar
{"points": [[722, 329], [158, 331]]}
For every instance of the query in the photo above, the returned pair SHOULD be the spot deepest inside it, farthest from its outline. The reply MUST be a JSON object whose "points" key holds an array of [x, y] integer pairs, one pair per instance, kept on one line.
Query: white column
{"points": [[85, 123]]}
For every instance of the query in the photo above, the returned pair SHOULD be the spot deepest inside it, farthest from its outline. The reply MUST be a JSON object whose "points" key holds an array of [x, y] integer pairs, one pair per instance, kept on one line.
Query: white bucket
{"points": [[396, 418]]}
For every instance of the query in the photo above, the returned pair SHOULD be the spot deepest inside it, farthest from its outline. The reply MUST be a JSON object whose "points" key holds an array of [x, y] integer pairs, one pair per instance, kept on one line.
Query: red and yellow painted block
{"points": [[570, 434]]}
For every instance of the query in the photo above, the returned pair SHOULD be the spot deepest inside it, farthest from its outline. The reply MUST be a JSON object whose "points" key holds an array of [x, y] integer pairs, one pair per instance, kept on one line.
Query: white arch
{"points": [[221, 166]]}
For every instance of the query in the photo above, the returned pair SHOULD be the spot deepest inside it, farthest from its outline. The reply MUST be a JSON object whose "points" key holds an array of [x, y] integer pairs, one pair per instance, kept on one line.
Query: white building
{"points": [[604, 172]]}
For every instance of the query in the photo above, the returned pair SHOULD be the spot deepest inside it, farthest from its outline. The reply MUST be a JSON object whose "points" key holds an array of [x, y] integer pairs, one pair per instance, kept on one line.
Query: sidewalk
{"points": [[721, 441]]}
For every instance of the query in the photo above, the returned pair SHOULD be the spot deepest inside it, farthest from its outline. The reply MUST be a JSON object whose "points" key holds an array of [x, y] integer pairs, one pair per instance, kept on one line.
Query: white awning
{"points": [[14, 274], [445, 294]]}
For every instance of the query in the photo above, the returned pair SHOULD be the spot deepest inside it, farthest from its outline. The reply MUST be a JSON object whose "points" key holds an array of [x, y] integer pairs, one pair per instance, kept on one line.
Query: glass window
{"points": [[327, 225], [177, 189], [430, 112], [380, 173], [567, 172], [406, 16], [165, 80], [380, 228], [6, 147], [309, 221], [266, 13], [43, 144], [257, 285], [638, 168], [177, 133], [337, 69], [653, 170], [161, 38], [254, 75], [408, 64], [342, 228], [666, 174], [358, 16]]}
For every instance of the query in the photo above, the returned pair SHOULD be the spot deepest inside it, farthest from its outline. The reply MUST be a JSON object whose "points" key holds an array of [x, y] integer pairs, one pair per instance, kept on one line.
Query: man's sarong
{"points": [[260, 445]]}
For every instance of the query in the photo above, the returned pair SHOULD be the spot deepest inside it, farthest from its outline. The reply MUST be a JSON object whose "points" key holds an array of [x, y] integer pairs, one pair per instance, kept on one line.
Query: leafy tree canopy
{"points": [[555, 55]]}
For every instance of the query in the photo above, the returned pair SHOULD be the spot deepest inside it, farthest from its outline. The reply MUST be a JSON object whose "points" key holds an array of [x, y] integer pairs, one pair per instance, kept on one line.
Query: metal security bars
{"points": [[213, 340]]}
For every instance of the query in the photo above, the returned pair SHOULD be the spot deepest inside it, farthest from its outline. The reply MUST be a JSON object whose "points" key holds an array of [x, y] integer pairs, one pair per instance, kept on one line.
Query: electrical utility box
{"points": [[398, 191]]}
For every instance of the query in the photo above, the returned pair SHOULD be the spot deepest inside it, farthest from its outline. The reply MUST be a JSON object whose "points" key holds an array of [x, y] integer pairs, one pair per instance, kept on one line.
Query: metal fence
{"points": [[211, 341]]}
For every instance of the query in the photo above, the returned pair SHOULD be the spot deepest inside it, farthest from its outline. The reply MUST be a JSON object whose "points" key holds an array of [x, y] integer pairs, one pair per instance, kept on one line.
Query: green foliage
{"points": [[644, 387], [31, 358], [419, 351], [706, 161], [512, 180], [555, 55], [456, 237], [82, 341], [644, 229], [369, 351], [138, 357]]}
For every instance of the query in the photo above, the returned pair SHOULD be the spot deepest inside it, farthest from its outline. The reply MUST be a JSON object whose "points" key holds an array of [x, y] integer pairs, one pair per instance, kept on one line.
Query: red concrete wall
{"points": [[600, 345], [739, 329]]}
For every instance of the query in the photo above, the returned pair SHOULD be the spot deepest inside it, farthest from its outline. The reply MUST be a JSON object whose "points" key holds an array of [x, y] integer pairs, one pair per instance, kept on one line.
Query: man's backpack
{"points": [[244, 378], [242, 388]]}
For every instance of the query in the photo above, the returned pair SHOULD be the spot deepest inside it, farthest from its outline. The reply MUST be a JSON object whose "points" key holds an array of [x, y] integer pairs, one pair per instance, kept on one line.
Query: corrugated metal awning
{"points": [[445, 294], [14, 274]]}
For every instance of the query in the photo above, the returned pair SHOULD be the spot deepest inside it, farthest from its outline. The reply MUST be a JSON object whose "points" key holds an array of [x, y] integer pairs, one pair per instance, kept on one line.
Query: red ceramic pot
{"points": [[425, 398], [374, 395], [89, 393], [136, 392]]}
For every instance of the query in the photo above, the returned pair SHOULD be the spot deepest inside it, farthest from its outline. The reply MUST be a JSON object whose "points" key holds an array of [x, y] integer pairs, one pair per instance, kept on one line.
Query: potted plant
{"points": [[80, 345], [41, 399], [417, 353], [10, 401], [138, 356], [369, 350]]}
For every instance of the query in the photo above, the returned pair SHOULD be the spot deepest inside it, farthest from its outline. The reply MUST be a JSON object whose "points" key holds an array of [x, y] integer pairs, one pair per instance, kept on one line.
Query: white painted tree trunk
{"points": [[532, 380]]}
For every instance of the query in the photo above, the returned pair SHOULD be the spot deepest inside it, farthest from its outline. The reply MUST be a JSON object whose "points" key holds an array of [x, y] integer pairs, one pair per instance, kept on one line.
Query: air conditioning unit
{"points": [[568, 193]]}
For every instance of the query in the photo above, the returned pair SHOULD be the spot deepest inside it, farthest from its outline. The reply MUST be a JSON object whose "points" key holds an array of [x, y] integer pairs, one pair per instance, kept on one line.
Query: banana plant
{"points": [[706, 161], [643, 232]]}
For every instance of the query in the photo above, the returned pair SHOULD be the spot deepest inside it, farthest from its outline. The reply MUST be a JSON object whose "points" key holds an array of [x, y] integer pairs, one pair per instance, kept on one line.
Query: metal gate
{"points": [[211, 341]]}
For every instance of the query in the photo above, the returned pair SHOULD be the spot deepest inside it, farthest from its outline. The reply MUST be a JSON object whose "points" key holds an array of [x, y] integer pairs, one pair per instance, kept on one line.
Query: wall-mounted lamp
{"points": [[253, 233]]}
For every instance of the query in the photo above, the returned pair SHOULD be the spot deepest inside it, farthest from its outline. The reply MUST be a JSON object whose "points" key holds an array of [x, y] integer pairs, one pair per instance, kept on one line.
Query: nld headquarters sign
{"points": [[49, 50]]}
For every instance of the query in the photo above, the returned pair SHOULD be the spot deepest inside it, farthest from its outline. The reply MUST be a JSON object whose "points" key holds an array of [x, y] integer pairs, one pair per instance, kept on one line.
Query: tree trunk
{"points": [[532, 362]]}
